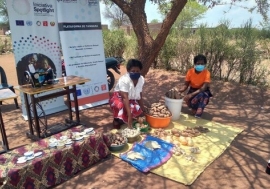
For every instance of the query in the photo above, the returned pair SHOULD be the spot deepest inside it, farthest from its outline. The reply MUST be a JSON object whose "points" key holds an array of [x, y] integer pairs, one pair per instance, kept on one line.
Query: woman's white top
{"points": [[125, 84]]}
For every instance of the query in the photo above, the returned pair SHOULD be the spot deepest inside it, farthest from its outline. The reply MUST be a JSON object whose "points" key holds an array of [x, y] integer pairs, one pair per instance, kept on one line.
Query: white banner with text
{"points": [[81, 38], [35, 39]]}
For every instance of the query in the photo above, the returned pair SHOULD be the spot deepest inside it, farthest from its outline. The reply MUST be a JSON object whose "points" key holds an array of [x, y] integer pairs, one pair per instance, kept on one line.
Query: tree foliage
{"points": [[148, 47], [4, 13], [192, 12], [154, 21], [116, 15]]}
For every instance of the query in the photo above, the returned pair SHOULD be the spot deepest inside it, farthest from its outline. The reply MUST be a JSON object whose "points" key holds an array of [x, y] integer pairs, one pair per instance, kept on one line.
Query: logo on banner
{"points": [[79, 92], [45, 23], [43, 9], [86, 91], [52, 23], [103, 87], [29, 23], [19, 23], [96, 88], [38, 23]]}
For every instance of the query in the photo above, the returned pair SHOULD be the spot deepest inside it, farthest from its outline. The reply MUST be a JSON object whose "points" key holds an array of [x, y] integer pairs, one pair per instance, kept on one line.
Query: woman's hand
{"points": [[188, 97]]}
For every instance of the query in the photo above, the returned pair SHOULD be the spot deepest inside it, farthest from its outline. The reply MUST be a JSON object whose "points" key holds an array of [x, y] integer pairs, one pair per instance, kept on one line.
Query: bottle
{"points": [[268, 168]]}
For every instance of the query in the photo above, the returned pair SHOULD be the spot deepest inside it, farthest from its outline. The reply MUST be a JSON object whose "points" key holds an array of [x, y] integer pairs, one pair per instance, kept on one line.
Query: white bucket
{"points": [[175, 106]]}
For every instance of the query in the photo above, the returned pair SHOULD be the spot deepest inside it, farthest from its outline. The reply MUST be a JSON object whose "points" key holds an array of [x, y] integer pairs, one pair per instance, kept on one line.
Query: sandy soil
{"points": [[242, 165]]}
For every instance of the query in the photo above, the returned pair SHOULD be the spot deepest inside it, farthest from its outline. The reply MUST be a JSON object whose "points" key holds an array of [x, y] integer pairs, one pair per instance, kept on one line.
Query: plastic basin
{"points": [[158, 122]]}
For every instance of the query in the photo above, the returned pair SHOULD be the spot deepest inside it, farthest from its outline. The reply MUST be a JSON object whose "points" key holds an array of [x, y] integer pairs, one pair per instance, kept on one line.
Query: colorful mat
{"points": [[211, 144]]}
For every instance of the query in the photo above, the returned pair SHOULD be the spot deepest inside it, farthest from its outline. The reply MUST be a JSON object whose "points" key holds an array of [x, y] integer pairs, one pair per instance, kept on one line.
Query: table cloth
{"points": [[55, 165]]}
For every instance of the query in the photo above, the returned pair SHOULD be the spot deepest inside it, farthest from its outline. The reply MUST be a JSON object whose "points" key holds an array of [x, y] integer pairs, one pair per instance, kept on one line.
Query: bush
{"points": [[114, 43], [232, 54]]}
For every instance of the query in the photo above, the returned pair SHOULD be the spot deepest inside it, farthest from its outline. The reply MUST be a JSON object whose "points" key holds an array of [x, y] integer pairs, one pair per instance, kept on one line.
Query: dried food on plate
{"points": [[152, 145], [135, 155]]}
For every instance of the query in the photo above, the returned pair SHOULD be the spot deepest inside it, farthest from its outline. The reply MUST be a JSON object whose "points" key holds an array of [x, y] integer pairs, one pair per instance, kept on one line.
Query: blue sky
{"points": [[236, 15]]}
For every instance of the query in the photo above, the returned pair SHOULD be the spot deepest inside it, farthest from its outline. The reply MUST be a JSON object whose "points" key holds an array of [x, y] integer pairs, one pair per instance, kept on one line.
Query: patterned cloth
{"points": [[198, 102], [117, 106], [55, 165]]}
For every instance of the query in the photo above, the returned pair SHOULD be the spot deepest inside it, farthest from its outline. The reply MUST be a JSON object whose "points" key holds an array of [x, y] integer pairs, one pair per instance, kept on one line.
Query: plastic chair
{"points": [[4, 85]]}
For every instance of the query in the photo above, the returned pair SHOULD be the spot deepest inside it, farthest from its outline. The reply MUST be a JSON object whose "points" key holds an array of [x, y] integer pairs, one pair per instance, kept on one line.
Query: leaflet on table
{"points": [[82, 43], [35, 39]]}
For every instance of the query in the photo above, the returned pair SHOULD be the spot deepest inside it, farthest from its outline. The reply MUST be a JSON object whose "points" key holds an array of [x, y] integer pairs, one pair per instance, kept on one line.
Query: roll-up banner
{"points": [[35, 39], [82, 44]]}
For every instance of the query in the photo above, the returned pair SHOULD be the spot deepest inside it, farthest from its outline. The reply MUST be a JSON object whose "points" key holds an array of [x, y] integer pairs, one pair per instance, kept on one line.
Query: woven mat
{"points": [[211, 144]]}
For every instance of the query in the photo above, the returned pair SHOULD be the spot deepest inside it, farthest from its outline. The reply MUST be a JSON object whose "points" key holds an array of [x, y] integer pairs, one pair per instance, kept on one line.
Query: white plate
{"points": [[52, 144], [52, 140], [22, 158], [88, 130], [78, 138], [30, 158], [28, 154], [37, 154], [21, 161], [63, 138], [68, 142]]}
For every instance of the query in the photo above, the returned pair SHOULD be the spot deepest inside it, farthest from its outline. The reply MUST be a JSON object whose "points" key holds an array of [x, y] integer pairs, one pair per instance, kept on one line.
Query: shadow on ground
{"points": [[242, 165]]}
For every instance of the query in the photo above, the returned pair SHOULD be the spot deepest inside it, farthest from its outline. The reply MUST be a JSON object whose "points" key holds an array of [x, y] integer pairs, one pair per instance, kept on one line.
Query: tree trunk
{"points": [[148, 48]]}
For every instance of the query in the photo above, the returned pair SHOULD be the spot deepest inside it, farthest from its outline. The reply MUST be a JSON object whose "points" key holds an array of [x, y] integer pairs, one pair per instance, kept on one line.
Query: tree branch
{"points": [[125, 6], [177, 6]]}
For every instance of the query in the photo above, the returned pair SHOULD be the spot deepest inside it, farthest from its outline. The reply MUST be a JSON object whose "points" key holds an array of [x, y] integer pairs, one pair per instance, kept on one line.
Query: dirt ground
{"points": [[242, 165]]}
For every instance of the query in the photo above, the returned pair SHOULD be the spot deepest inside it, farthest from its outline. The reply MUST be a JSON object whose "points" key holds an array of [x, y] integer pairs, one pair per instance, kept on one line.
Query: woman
{"points": [[127, 101], [198, 80]]}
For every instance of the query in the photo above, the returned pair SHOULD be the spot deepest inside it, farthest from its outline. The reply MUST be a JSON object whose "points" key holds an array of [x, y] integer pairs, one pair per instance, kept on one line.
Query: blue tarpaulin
{"points": [[152, 158]]}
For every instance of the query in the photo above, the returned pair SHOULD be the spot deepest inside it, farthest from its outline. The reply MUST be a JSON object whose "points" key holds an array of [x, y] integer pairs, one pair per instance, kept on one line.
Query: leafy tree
{"points": [[154, 21], [4, 13], [116, 15], [192, 12], [148, 47]]}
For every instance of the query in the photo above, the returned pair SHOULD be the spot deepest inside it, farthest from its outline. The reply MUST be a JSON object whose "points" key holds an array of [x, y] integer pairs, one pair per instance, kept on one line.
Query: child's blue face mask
{"points": [[199, 68]]}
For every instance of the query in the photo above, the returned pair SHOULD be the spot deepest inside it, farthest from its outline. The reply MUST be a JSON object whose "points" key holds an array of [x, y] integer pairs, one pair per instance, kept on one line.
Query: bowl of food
{"points": [[158, 115], [132, 135], [118, 142], [144, 127], [158, 122]]}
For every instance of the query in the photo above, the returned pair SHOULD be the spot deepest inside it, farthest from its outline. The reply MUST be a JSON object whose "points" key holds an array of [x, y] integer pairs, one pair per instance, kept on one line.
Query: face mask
{"points": [[134, 76], [199, 68]]}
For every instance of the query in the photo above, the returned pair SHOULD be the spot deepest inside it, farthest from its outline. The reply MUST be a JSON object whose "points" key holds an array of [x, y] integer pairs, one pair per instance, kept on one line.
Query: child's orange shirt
{"points": [[197, 80]]}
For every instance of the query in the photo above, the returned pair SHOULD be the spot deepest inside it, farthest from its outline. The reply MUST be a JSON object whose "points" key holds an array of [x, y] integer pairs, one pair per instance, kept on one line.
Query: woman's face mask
{"points": [[134, 75], [199, 68]]}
